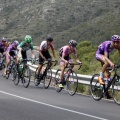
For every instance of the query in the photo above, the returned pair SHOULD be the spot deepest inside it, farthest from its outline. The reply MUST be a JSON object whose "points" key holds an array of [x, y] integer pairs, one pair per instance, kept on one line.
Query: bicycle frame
{"points": [[112, 81]]}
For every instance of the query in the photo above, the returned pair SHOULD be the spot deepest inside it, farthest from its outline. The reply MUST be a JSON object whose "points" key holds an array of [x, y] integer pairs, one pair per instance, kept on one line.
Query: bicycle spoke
{"points": [[26, 76], [47, 78], [116, 92], [96, 88], [57, 79], [72, 83]]}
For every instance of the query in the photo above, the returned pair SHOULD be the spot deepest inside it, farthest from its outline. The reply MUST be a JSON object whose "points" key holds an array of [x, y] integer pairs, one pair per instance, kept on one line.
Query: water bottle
{"points": [[21, 67]]}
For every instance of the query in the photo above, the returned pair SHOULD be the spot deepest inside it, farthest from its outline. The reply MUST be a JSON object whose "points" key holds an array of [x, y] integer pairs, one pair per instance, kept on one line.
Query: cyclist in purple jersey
{"points": [[64, 54], [11, 52], [3, 47], [102, 55]]}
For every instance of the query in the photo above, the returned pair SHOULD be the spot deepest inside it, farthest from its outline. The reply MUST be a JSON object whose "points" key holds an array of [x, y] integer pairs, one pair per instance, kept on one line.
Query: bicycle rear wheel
{"points": [[57, 79], [96, 88], [116, 91], [72, 83], [26, 76], [47, 78]]}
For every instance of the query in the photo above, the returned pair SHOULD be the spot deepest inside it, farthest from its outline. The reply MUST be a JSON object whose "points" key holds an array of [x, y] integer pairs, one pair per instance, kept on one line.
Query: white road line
{"points": [[80, 113]]}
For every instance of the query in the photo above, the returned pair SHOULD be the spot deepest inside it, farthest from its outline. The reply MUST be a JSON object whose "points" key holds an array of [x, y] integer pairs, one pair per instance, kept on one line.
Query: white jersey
{"points": [[44, 46]]}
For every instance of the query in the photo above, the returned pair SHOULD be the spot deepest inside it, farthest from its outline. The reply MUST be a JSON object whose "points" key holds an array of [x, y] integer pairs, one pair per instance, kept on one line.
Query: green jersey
{"points": [[25, 47]]}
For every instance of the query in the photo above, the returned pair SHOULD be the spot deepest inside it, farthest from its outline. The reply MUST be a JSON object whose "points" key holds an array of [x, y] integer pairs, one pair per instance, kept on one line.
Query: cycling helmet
{"points": [[4, 39], [73, 43], [49, 39], [115, 38], [28, 39], [16, 43]]}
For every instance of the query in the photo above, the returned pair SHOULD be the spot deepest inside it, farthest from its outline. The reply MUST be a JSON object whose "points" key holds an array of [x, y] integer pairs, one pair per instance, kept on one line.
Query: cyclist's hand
{"points": [[66, 62], [33, 61], [44, 58], [21, 59], [112, 66], [80, 63]]}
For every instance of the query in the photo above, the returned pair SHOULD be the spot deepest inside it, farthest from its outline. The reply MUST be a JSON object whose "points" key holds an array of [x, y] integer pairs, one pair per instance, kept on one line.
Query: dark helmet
{"points": [[49, 39], [73, 43]]}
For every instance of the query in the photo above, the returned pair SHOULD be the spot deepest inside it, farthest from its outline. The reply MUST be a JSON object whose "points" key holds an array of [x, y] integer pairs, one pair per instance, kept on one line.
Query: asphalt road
{"points": [[37, 103]]}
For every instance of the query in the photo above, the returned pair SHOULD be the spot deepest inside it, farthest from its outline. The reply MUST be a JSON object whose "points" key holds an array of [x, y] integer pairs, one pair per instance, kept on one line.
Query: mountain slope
{"points": [[94, 20]]}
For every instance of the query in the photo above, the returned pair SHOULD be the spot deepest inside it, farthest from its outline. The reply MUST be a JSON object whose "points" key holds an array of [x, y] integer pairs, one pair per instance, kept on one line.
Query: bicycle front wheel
{"points": [[116, 91], [26, 76], [16, 77], [72, 83], [57, 79], [47, 78], [96, 88]]}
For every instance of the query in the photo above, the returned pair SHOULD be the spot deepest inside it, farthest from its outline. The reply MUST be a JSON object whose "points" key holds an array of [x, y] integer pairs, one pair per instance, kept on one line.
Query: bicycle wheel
{"points": [[26, 76], [36, 83], [116, 91], [47, 78], [12, 73], [57, 79], [7, 74], [72, 83], [16, 77], [96, 88]]}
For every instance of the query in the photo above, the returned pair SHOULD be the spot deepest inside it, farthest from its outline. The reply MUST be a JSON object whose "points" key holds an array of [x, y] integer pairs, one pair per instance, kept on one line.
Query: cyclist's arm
{"points": [[20, 52], [33, 55], [54, 54]]}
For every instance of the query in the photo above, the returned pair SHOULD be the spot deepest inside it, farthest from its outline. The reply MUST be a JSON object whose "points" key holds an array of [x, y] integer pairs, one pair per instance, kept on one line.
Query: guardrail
{"points": [[83, 79]]}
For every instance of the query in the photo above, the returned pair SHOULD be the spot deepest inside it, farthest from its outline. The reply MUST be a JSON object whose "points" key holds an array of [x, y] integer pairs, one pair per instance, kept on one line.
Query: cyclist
{"points": [[11, 52], [3, 47], [102, 55], [64, 54], [24, 46], [44, 53]]}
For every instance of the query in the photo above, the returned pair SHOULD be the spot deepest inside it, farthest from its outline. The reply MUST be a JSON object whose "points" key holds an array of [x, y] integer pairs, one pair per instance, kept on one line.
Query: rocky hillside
{"points": [[94, 20]]}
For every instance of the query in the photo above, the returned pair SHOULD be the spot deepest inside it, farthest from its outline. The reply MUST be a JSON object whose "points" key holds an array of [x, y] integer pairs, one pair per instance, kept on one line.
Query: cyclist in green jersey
{"points": [[24, 46]]}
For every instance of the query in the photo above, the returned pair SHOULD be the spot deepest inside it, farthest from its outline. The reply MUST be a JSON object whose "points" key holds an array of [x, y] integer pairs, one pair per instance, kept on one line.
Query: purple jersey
{"points": [[2, 46], [11, 49], [105, 47]]}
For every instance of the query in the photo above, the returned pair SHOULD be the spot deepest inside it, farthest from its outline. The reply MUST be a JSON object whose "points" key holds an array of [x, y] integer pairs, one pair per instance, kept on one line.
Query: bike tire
{"points": [[96, 88], [35, 78], [26, 76], [72, 83], [57, 78], [16, 76], [116, 91], [47, 78], [7, 74]]}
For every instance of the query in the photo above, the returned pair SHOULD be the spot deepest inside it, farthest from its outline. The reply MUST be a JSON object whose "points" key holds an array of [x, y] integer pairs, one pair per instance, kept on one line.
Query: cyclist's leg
{"points": [[105, 63], [8, 60], [62, 65]]}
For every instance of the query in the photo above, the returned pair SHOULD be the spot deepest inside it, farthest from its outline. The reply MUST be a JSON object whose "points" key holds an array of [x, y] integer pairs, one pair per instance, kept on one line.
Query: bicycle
{"points": [[70, 79], [3, 62], [47, 74], [23, 73], [98, 91], [10, 69]]}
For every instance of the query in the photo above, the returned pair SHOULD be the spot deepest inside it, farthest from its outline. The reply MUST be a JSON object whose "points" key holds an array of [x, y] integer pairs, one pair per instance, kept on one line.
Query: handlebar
{"points": [[115, 67], [80, 65]]}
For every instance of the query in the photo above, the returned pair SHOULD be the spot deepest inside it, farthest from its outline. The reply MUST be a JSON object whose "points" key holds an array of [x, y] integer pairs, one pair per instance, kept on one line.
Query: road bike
{"points": [[9, 71], [99, 91], [70, 79], [22, 73], [46, 76]]}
